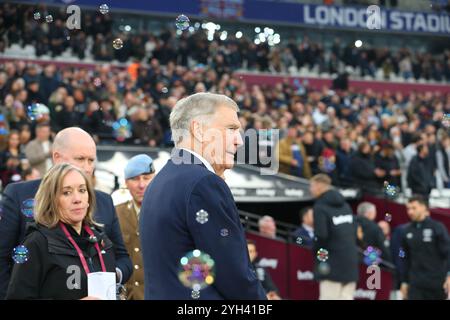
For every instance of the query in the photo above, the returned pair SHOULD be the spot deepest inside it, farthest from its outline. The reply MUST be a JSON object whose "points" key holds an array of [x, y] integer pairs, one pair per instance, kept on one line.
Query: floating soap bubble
{"points": [[121, 292], [122, 130], [322, 255], [20, 254], [37, 16], [117, 44], [104, 9], [201, 216], [323, 268], [327, 165], [389, 189], [28, 208], [388, 217], [197, 270], [372, 256], [195, 294], [37, 111], [97, 82], [116, 292], [182, 22], [49, 18]]}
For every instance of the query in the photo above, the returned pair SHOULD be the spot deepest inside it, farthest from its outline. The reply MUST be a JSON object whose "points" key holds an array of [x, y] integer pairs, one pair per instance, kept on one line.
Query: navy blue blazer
{"points": [[306, 239], [17, 213], [169, 229]]}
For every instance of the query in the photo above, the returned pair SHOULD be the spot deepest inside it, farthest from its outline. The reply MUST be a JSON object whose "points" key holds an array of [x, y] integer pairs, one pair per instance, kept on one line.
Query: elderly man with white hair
{"points": [[188, 209], [372, 233], [267, 227]]}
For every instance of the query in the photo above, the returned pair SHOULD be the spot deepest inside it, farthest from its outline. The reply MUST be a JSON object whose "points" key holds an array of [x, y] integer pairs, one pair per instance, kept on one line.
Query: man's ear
{"points": [[196, 129], [56, 156]]}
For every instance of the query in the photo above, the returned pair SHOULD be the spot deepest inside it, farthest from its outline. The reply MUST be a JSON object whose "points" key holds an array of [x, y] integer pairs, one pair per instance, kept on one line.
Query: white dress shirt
{"points": [[203, 160]]}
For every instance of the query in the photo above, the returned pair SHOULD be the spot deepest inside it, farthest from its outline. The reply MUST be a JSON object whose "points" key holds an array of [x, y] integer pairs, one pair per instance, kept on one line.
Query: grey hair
{"points": [[192, 107], [264, 219], [363, 207]]}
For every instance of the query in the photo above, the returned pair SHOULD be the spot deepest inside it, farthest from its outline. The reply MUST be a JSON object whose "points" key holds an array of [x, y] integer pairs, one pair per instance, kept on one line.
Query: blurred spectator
{"points": [[10, 171], [313, 149], [30, 174], [410, 151], [420, 178], [292, 155], [427, 255], [262, 274], [24, 136], [443, 160], [343, 156], [146, 131], [98, 120], [363, 169], [267, 227], [138, 173], [304, 235], [388, 162], [386, 228], [39, 150], [66, 116], [336, 232], [13, 148], [372, 233]]}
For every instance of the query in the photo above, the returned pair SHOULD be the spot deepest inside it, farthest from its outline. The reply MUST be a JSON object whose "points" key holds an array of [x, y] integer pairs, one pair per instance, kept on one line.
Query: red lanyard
{"points": [[80, 253]]}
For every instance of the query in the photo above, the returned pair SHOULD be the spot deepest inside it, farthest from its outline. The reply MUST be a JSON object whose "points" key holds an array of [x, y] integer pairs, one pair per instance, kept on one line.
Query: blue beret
{"points": [[137, 165]]}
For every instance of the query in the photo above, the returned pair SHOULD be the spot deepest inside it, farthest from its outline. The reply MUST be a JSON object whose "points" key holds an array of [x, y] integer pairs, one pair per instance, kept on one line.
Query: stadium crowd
{"points": [[368, 139], [352, 136], [95, 37]]}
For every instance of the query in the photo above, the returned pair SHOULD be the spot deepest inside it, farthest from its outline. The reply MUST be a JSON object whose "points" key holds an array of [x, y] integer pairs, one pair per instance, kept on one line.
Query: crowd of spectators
{"points": [[363, 138], [96, 36]]}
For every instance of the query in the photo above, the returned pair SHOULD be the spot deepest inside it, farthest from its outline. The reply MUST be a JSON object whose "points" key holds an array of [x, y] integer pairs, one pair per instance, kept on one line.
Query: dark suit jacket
{"points": [[14, 221], [306, 239], [373, 236], [169, 230]]}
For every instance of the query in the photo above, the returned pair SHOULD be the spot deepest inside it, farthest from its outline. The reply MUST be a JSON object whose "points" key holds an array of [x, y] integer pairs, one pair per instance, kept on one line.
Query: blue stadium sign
{"points": [[323, 16]]}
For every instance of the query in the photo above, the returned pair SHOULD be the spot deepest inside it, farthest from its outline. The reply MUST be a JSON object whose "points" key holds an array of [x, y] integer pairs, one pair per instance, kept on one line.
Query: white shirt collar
{"points": [[203, 160], [308, 228]]}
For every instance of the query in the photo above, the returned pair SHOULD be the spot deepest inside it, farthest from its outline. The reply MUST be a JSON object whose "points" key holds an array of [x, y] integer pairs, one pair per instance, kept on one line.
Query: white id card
{"points": [[102, 285]]}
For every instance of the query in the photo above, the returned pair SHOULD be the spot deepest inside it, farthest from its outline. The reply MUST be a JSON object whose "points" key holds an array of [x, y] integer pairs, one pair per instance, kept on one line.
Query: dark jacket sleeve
{"points": [[10, 227], [123, 261], [223, 238], [27, 277], [321, 231], [362, 169], [404, 276], [417, 178], [380, 241], [268, 284], [443, 243]]}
